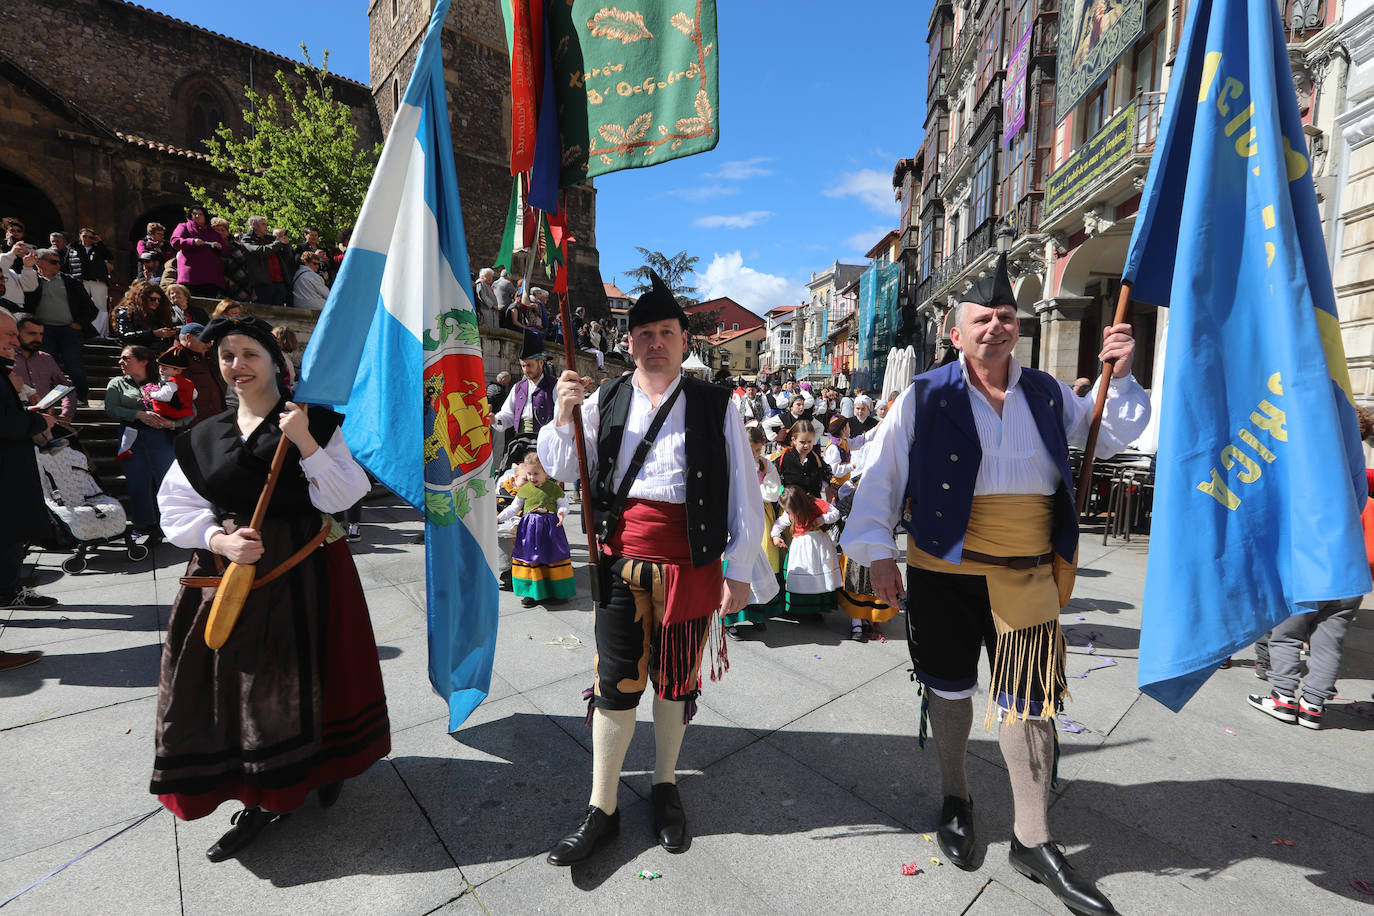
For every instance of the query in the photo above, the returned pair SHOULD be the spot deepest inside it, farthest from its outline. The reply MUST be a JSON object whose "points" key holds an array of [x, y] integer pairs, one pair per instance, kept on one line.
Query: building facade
{"points": [[105, 106], [477, 74], [781, 346], [821, 307]]}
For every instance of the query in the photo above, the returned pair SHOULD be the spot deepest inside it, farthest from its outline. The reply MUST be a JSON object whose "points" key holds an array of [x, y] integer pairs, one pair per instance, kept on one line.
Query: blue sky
{"points": [[818, 101]]}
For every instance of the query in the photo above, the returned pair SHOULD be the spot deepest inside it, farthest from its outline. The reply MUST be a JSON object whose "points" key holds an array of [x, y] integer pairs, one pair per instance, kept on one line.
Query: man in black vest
{"points": [[674, 510]]}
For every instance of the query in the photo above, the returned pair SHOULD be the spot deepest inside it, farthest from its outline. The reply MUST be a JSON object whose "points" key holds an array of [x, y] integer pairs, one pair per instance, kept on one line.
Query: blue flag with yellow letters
{"points": [[1260, 474]]}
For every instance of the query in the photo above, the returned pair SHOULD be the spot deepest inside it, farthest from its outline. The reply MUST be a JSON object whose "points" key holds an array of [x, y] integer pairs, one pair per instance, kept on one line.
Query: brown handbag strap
{"points": [[282, 568]]}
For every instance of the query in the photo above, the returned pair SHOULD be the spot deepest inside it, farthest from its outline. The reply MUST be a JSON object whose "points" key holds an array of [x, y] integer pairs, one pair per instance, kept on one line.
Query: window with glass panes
{"points": [[983, 202]]}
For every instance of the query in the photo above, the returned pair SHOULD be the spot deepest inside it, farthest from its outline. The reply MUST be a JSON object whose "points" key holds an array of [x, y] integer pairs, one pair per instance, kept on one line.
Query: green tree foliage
{"points": [[673, 270], [299, 162]]}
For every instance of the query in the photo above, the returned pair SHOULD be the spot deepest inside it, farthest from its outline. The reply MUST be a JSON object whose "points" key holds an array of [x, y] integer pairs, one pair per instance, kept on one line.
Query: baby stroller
{"points": [[84, 514]]}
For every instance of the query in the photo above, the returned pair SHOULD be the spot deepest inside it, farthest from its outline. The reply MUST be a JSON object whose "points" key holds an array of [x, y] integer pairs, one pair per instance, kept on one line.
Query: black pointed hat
{"points": [[658, 304], [534, 346], [994, 290]]}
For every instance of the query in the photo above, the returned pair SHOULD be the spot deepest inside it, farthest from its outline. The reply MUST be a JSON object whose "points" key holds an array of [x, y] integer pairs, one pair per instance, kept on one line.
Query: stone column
{"points": [[1061, 323]]}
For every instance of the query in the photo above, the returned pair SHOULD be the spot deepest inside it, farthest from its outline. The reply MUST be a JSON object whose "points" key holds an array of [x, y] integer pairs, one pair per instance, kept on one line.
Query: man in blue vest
{"points": [[973, 462], [671, 510]]}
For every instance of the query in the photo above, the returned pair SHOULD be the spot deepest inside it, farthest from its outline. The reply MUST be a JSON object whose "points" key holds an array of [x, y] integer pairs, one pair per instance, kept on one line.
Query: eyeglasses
{"points": [[156, 298]]}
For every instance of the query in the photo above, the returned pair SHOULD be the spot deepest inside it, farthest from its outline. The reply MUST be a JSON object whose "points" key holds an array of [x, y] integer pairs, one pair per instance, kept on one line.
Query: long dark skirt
{"points": [[294, 698]]}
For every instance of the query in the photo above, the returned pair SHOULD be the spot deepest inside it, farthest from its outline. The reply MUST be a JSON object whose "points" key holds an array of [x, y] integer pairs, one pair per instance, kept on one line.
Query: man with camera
{"points": [[676, 492]]}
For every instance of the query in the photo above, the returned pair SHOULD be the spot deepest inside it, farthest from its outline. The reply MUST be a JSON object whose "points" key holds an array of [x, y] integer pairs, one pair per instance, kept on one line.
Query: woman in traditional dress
{"points": [[770, 488], [293, 700]]}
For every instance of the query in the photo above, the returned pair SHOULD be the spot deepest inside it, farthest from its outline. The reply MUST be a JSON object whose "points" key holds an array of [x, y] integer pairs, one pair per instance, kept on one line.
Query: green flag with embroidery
{"points": [[635, 85]]}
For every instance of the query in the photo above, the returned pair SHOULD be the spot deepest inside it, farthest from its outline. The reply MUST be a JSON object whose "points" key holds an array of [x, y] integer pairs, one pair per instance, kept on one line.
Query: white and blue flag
{"points": [[397, 350]]}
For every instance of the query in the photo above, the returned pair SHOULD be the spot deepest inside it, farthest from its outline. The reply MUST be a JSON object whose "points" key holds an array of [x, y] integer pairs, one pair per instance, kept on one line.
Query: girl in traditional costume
{"points": [[541, 562], [799, 465], [293, 701], [813, 569], [770, 488], [844, 454]]}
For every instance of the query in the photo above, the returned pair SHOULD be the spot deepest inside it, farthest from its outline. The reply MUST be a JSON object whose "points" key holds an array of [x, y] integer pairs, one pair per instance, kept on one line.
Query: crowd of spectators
{"points": [[500, 303]]}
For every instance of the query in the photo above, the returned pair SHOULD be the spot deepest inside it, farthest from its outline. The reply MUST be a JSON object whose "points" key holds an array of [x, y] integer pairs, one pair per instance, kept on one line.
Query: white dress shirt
{"points": [[505, 417], [1015, 460], [663, 477], [188, 519]]}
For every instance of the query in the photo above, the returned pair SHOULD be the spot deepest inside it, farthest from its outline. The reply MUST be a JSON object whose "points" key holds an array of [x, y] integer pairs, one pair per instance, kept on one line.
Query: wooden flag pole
{"points": [[588, 516], [1085, 477]]}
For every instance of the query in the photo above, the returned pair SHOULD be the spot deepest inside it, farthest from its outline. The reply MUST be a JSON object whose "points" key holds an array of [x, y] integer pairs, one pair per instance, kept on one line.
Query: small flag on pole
{"points": [[397, 348], [1260, 477]]}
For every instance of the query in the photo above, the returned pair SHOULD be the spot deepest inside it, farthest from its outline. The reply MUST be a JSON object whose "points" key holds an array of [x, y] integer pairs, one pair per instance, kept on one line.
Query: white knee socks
{"points": [[612, 730], [668, 731]]}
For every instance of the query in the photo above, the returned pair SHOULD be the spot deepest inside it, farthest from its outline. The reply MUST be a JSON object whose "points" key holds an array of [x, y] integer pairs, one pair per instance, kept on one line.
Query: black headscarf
{"points": [[259, 330]]}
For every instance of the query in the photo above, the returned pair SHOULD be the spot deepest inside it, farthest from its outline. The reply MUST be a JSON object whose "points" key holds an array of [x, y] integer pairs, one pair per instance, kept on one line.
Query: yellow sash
{"points": [[1025, 602]]}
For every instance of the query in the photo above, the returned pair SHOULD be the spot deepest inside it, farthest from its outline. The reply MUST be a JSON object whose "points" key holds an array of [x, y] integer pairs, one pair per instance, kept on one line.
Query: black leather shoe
{"points": [[956, 836], [247, 824], [670, 820], [596, 826], [1045, 864], [329, 793]]}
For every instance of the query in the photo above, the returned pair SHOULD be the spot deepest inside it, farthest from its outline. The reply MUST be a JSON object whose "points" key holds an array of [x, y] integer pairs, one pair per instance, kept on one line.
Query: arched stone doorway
{"points": [[27, 202]]}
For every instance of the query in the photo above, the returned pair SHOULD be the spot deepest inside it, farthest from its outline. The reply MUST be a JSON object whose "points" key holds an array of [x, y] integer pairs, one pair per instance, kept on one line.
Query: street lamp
{"points": [[1006, 234]]}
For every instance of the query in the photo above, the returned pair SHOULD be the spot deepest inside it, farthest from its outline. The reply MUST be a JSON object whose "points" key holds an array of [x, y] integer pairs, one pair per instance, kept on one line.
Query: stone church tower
{"points": [[478, 76]]}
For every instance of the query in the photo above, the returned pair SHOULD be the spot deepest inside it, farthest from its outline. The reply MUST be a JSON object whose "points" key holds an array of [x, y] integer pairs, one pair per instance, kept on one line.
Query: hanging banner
{"points": [[1014, 95], [635, 86], [1093, 34]]}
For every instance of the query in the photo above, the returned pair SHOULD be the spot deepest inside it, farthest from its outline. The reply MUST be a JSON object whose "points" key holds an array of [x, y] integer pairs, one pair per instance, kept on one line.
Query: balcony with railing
{"points": [[964, 43], [980, 240], [989, 104], [1103, 167], [960, 155]]}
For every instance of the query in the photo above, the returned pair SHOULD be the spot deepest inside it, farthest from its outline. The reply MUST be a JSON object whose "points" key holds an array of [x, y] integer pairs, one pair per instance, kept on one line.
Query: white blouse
{"points": [[663, 478], [336, 483], [1015, 460]]}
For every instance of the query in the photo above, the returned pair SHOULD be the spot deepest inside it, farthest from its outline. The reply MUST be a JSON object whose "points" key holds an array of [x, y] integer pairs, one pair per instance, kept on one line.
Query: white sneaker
{"points": [[1310, 715]]}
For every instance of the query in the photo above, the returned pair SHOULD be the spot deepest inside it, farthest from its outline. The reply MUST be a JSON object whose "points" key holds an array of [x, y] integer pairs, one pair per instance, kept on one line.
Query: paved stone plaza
{"points": [[801, 775]]}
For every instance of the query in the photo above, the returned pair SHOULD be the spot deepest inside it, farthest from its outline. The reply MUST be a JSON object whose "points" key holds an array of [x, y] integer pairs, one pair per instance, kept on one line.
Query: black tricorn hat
{"points": [[658, 304], [994, 290], [176, 357], [534, 346]]}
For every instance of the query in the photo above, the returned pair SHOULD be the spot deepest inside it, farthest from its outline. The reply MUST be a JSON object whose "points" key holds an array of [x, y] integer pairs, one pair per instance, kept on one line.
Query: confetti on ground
{"points": [[927, 838], [1364, 887], [1072, 726], [566, 642], [912, 869], [648, 875], [1080, 617], [1227, 730], [936, 861], [1108, 663], [1285, 843]]}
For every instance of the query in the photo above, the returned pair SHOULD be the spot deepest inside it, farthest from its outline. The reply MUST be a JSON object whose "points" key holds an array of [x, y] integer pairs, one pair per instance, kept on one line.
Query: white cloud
{"points": [[726, 275], [871, 186], [860, 242], [701, 192], [740, 169], [732, 220]]}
